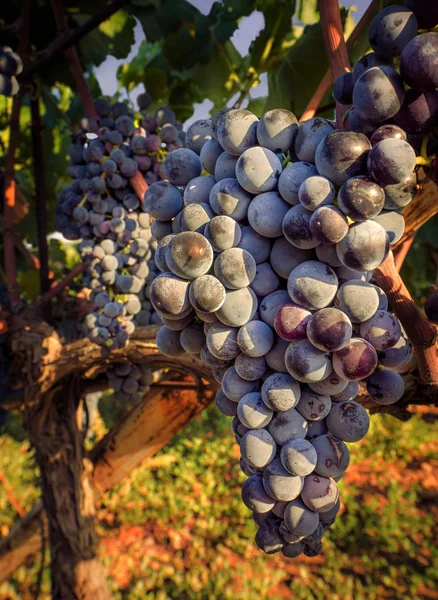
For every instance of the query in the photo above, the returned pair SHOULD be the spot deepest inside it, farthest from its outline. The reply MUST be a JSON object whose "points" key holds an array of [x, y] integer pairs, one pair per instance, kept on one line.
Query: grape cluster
{"points": [[101, 207], [10, 66], [266, 273], [129, 382]]}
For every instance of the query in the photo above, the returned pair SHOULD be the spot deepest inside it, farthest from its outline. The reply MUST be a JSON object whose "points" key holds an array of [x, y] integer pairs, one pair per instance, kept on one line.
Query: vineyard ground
{"points": [[176, 527]]}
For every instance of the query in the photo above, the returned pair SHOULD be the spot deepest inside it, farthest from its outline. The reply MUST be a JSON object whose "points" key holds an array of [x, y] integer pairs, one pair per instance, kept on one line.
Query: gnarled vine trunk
{"points": [[53, 421]]}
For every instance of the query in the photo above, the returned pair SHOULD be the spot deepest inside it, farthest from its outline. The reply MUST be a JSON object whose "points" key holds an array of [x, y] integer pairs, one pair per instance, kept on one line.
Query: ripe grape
{"points": [[343, 88], [284, 256], [266, 213], [258, 448], [265, 281], [238, 308], [316, 191], [287, 425], [197, 191], [235, 268], [329, 329], [225, 406], [268, 537], [393, 223], [271, 304], [330, 386], [223, 233], [280, 484], [258, 170], [292, 177], [181, 166], [168, 342], [254, 495], [359, 300], [257, 245], [382, 330], [341, 155], [418, 62], [400, 354], [391, 161], [313, 406], [253, 412], [235, 387], [378, 94], [250, 368], [332, 456], [227, 197], [319, 493], [385, 387], [347, 394], [170, 295], [296, 228], [222, 341], [280, 392], [189, 255], [192, 338], [312, 284], [365, 247], [207, 293], [298, 457], [360, 198], [198, 134], [309, 135], [391, 30], [328, 225], [299, 519], [291, 321], [277, 130], [306, 363], [255, 339], [209, 155], [348, 421]]}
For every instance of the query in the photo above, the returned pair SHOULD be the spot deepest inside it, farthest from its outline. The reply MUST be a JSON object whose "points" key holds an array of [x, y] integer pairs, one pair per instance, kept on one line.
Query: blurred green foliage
{"points": [[176, 527]]}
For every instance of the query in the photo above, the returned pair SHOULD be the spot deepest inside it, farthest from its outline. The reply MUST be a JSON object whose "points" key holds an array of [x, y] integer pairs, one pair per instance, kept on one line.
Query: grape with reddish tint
{"points": [[341, 155], [348, 421], [291, 322], [391, 161], [387, 131], [355, 361], [329, 329], [365, 247], [385, 387], [306, 363], [328, 225], [312, 284], [280, 392], [258, 447], [319, 493], [382, 330], [332, 456], [271, 304], [360, 198], [418, 62], [189, 255]]}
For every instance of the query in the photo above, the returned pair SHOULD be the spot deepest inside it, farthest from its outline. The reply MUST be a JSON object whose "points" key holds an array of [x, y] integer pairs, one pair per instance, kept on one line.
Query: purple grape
{"points": [[355, 361], [254, 495], [258, 448], [333, 456], [329, 329], [365, 247], [391, 30], [291, 321], [253, 412], [418, 62], [382, 330], [378, 94], [328, 224], [299, 519], [385, 387], [312, 284], [348, 421], [306, 363], [280, 484], [277, 130], [287, 425], [387, 131], [419, 112], [360, 198], [280, 392], [298, 457], [341, 155], [313, 406], [296, 228]]}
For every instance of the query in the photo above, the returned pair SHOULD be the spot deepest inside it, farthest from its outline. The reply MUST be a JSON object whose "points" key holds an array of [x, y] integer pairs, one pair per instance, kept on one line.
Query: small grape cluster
{"points": [[10, 66], [101, 207], [266, 273], [129, 381]]}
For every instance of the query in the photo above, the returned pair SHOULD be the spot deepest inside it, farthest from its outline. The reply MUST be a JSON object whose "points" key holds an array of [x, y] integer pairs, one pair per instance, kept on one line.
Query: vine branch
{"points": [[10, 185], [40, 196], [62, 43]]}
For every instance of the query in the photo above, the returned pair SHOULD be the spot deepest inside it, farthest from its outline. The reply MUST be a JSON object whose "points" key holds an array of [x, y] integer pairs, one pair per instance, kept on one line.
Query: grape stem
{"points": [[10, 184], [336, 48], [321, 90], [419, 330], [57, 288]]}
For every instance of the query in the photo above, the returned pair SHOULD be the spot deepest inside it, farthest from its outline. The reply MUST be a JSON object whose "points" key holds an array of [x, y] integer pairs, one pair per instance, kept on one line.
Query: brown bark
{"points": [[52, 424]]}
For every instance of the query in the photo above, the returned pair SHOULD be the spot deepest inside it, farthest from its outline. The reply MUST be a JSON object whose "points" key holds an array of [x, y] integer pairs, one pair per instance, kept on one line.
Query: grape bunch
{"points": [[10, 66], [129, 382], [268, 234], [102, 208]]}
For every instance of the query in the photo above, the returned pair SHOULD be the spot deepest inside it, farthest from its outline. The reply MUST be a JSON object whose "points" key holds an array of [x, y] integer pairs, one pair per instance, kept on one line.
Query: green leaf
{"points": [[114, 37], [307, 11], [278, 22]]}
